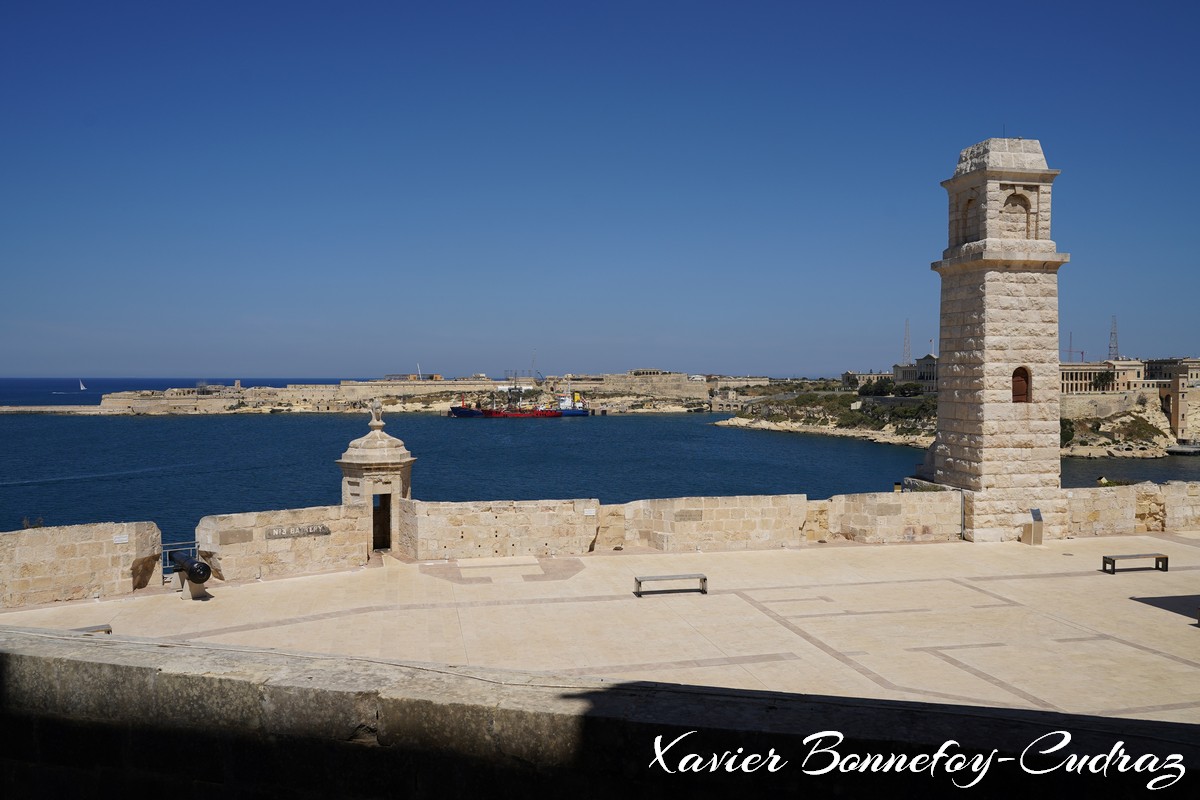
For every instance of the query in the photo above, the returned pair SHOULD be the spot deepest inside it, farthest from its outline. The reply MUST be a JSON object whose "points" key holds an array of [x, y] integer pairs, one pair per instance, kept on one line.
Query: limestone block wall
{"points": [[1181, 503], [747, 522], [74, 562], [1103, 511], [1000, 515], [896, 517], [1141, 508], [274, 544], [498, 528]]}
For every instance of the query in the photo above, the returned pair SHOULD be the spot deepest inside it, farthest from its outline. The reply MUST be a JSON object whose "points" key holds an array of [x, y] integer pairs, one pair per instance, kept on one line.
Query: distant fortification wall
{"points": [[1078, 406], [273, 544], [74, 562]]}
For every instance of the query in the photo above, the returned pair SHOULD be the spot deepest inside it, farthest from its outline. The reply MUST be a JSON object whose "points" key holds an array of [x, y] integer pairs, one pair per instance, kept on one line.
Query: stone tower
{"points": [[998, 373], [377, 471]]}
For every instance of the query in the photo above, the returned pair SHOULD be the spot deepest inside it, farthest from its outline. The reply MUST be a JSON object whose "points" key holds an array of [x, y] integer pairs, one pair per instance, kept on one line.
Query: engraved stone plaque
{"points": [[296, 531]]}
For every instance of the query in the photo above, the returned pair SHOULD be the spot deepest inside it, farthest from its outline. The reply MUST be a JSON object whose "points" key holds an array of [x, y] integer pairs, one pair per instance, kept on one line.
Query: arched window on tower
{"points": [[968, 222], [1020, 385], [1015, 218]]}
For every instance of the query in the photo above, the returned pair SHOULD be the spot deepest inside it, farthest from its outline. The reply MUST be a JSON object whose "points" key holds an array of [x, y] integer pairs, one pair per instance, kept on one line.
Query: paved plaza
{"points": [[1002, 625]]}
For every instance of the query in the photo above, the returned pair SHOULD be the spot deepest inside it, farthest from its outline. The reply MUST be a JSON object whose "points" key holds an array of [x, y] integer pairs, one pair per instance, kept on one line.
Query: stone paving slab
{"points": [[1002, 625]]}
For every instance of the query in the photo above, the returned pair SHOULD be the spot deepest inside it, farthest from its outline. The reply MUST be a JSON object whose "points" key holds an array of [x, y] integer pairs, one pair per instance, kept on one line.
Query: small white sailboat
{"points": [[82, 388]]}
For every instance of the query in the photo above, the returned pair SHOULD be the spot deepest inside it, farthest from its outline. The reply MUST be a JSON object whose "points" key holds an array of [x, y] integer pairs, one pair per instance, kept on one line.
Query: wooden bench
{"points": [[700, 576], [1109, 564]]}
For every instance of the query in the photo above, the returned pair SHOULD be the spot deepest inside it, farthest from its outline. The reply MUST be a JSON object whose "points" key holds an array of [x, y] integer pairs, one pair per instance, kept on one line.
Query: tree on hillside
{"points": [[1104, 381], [878, 387]]}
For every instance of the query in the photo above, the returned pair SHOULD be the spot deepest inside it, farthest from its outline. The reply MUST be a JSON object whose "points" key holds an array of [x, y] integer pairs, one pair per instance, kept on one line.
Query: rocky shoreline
{"points": [[883, 437], [923, 441]]}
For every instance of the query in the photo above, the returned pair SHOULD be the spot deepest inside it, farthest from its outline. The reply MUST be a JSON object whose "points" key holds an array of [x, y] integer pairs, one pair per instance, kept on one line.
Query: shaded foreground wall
{"points": [[75, 562], [127, 714]]}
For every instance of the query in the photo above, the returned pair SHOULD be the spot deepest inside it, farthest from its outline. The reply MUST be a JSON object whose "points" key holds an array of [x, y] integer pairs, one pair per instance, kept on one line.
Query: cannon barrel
{"points": [[196, 571]]}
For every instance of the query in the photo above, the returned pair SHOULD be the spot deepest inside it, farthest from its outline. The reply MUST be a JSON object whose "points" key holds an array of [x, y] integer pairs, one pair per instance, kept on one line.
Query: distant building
{"points": [[1166, 369], [1081, 377], [853, 380], [924, 372]]}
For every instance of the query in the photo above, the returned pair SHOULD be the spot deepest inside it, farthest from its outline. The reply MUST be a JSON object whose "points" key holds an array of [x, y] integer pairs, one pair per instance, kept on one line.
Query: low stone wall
{"points": [[1181, 504], [273, 544], [497, 528], [744, 522], [74, 562], [1104, 511], [1141, 508], [225, 721], [897, 516]]}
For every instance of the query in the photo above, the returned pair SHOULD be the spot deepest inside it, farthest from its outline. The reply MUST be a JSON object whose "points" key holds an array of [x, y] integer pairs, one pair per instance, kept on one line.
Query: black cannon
{"points": [[196, 571]]}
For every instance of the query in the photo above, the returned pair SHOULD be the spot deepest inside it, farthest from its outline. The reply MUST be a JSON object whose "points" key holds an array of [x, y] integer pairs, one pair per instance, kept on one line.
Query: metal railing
{"points": [[168, 566]]}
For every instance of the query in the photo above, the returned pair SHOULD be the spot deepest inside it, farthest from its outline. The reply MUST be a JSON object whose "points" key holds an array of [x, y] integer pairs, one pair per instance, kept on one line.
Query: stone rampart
{"points": [[747, 522], [74, 562], [1103, 511], [126, 714], [1082, 406], [273, 544], [1181, 505], [879, 517], [497, 528]]}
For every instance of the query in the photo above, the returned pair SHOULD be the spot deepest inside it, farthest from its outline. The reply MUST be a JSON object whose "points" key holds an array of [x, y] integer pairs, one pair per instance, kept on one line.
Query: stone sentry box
{"points": [[377, 471]]}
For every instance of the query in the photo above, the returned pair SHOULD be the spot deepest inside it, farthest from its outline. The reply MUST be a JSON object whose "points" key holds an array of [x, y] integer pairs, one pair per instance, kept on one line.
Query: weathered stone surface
{"points": [[106, 559], [999, 319]]}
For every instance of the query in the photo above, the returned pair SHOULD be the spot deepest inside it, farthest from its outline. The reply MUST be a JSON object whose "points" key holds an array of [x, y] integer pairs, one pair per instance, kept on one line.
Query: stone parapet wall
{"points": [[75, 562], [1103, 511], [228, 721], [498, 528], [1141, 508], [879, 517], [745, 522], [1181, 504], [274, 544]]}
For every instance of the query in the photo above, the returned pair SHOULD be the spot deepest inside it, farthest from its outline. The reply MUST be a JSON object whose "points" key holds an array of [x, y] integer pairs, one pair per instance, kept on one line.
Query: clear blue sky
{"points": [[348, 189]]}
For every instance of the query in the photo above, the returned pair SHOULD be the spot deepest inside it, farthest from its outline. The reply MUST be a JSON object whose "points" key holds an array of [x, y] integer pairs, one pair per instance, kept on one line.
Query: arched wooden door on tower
{"points": [[1020, 385]]}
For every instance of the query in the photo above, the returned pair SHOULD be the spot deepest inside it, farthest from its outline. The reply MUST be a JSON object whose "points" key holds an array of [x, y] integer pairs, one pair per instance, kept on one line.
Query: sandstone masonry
{"points": [[998, 375]]}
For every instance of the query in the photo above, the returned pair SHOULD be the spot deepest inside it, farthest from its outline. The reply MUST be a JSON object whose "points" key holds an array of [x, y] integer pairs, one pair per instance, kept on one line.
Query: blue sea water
{"points": [[174, 470]]}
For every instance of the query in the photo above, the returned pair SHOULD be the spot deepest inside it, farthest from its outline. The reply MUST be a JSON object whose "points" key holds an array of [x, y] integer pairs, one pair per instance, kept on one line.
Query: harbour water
{"points": [[174, 470]]}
